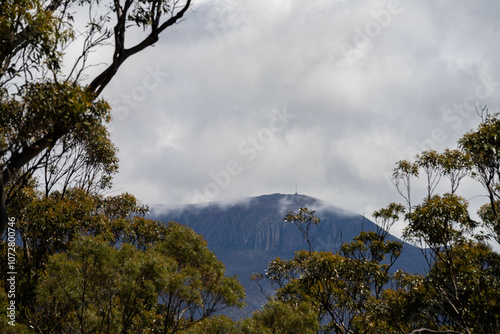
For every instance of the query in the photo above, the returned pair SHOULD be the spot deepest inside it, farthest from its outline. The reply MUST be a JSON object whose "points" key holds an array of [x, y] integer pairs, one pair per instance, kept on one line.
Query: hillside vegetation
{"points": [[75, 259]]}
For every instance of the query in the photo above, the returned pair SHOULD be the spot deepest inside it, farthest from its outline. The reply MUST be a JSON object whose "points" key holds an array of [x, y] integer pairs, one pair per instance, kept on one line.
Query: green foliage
{"points": [[47, 108], [215, 325], [455, 165], [399, 309], [32, 32], [303, 220], [483, 147], [274, 317], [401, 176], [440, 221], [371, 247], [338, 286], [465, 287], [281, 318], [77, 291], [95, 264], [145, 13], [161, 276], [387, 217], [490, 218], [50, 121], [354, 291], [47, 225], [64, 124], [5, 327], [95, 287], [199, 287], [459, 294], [90, 263]]}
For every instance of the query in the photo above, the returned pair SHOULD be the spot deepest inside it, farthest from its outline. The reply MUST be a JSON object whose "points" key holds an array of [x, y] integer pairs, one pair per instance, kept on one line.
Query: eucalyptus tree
{"points": [[460, 292], [53, 119]]}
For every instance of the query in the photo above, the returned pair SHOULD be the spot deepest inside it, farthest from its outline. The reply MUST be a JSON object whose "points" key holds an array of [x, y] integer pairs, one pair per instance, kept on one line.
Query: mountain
{"points": [[249, 234]]}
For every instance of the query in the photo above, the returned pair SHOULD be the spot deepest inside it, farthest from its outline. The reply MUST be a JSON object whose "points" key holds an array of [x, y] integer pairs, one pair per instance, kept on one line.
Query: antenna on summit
{"points": [[296, 193]]}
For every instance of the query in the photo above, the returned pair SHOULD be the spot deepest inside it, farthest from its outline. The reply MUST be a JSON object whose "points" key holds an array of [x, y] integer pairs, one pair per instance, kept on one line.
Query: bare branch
{"points": [[121, 53], [430, 331]]}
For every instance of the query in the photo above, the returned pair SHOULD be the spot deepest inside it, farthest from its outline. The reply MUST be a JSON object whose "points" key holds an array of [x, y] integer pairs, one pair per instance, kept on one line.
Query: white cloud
{"points": [[230, 63]]}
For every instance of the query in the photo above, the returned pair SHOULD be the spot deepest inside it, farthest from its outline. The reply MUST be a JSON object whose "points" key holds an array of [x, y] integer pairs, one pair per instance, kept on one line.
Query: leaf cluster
{"points": [[95, 287]]}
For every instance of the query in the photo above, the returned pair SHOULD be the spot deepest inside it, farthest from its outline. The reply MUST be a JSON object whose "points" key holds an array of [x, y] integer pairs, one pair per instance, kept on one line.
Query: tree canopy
{"points": [[89, 262], [357, 289], [53, 120], [94, 263]]}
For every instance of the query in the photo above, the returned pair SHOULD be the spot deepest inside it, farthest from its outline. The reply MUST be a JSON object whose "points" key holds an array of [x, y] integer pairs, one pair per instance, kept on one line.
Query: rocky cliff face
{"points": [[258, 223], [248, 235]]}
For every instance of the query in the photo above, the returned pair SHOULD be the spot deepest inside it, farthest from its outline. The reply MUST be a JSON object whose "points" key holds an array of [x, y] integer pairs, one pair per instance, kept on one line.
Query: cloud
{"points": [[231, 63]]}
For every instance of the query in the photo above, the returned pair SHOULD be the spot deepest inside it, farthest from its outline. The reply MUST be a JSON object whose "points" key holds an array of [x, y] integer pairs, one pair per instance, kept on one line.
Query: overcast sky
{"points": [[244, 98]]}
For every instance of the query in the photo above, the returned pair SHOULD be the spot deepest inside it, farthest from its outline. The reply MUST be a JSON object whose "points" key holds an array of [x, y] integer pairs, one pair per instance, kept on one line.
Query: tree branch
{"points": [[121, 54], [15, 163], [430, 331]]}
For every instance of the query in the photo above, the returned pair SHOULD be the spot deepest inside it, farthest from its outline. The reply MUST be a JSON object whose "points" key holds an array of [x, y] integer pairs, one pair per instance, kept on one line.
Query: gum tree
{"points": [[459, 294], [337, 286], [483, 148], [47, 114], [95, 287], [355, 291], [303, 221]]}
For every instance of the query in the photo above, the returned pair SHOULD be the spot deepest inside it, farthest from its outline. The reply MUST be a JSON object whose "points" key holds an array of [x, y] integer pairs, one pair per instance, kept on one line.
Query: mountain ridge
{"points": [[248, 234]]}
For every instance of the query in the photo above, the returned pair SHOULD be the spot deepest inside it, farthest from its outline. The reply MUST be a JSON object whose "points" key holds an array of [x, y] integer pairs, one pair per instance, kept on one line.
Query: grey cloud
{"points": [[232, 62]]}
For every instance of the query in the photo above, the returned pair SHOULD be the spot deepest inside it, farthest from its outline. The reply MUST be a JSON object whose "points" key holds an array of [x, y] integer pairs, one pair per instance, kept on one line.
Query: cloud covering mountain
{"points": [[248, 235], [251, 97]]}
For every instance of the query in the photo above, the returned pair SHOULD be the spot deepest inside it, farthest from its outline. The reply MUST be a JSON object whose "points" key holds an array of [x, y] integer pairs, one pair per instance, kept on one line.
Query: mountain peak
{"points": [[257, 223], [283, 203], [246, 235]]}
